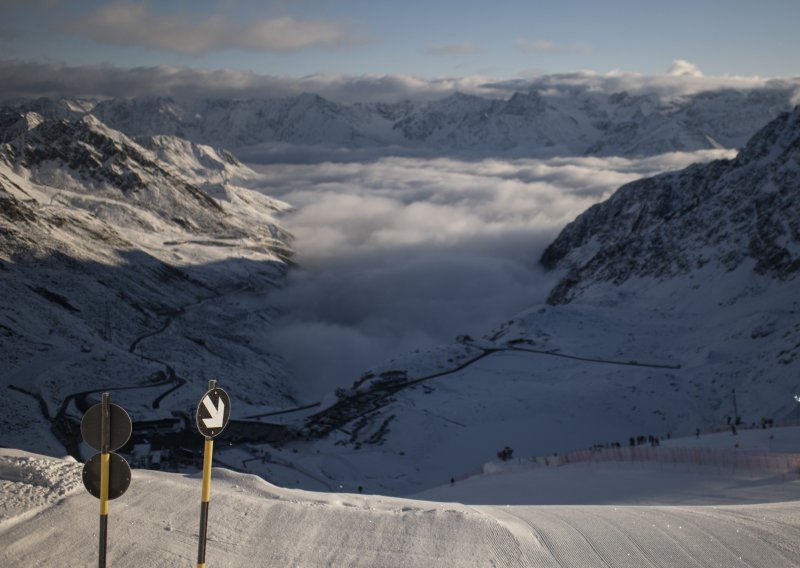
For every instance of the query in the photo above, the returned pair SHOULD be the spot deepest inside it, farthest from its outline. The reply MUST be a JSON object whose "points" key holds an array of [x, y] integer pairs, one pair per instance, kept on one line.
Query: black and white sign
{"points": [[213, 412]]}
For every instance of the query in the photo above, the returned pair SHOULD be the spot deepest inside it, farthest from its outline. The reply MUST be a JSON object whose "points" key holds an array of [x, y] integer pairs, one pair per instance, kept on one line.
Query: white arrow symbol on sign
{"points": [[216, 415]]}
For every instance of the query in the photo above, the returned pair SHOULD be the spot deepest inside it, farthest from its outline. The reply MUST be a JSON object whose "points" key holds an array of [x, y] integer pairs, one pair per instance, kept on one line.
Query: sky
{"points": [[497, 40]]}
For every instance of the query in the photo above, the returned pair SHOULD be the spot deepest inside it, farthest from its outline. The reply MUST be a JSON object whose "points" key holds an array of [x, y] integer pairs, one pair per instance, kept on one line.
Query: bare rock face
{"points": [[725, 212]]}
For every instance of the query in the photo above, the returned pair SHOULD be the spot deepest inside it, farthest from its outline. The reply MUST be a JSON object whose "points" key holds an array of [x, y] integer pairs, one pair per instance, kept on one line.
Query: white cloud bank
{"points": [[29, 80], [681, 68], [134, 24], [22, 79], [400, 254]]}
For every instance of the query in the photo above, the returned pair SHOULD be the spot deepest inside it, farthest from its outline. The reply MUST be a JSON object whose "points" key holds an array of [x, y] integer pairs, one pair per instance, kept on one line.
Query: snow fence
{"points": [[734, 460]]}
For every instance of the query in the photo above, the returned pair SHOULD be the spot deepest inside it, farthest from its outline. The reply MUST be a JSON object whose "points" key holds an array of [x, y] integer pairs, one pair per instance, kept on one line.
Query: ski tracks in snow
{"points": [[258, 524], [653, 537]]}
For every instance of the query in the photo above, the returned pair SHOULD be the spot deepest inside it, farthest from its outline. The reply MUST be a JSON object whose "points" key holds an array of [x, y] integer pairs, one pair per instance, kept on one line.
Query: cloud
{"points": [[544, 46], [680, 68], [667, 87], [463, 48], [132, 24], [400, 254], [20, 79], [32, 79]]}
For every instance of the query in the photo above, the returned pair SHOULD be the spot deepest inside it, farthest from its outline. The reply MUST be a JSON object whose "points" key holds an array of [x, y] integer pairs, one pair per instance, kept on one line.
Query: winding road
{"points": [[362, 403], [377, 395]]}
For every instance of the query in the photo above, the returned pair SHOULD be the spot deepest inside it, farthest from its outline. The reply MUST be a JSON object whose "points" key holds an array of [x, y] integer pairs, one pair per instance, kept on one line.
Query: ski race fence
{"points": [[724, 459], [733, 460]]}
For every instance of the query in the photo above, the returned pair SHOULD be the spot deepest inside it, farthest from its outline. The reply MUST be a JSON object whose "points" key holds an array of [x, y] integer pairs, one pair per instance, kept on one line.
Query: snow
{"points": [[753, 466], [539, 122], [648, 356], [610, 514], [564, 378], [93, 278]]}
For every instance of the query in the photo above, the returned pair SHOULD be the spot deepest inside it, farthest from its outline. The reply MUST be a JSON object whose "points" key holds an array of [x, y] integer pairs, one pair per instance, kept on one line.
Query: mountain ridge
{"points": [[533, 123], [641, 347], [124, 265], [726, 211]]}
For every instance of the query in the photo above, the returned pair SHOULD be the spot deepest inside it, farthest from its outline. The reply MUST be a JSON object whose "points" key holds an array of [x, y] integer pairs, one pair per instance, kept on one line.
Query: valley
{"points": [[620, 340]]}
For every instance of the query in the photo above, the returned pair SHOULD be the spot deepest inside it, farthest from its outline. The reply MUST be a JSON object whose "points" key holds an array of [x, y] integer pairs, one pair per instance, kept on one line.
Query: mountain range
{"points": [[676, 311], [123, 263], [135, 258], [539, 122], [725, 214]]}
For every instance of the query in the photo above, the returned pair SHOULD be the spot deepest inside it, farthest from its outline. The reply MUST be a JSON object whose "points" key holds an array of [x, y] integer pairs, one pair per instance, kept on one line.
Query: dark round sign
{"points": [[213, 412], [119, 475], [119, 432]]}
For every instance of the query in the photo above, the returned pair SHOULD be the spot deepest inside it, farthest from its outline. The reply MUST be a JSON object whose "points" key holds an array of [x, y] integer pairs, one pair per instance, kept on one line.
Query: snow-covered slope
{"points": [[724, 215], [684, 311], [129, 263], [123, 267], [48, 518], [539, 122]]}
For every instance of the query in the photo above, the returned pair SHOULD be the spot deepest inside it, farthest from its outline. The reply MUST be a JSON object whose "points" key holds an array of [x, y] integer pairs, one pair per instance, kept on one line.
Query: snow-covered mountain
{"points": [[678, 309], [124, 266], [717, 217], [142, 266], [539, 122]]}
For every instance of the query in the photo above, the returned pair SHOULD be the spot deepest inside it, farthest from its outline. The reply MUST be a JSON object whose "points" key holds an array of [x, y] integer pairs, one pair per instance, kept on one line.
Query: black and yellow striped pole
{"points": [[212, 417], [106, 427], [206, 497], [105, 430]]}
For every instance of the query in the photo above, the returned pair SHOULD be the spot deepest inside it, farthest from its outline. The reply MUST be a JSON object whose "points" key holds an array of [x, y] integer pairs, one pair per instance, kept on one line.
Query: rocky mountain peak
{"points": [[530, 121], [727, 212]]}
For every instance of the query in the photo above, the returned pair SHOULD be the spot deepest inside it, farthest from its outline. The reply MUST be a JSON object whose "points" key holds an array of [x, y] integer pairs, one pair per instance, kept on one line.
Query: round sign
{"points": [[213, 412], [119, 475], [119, 431]]}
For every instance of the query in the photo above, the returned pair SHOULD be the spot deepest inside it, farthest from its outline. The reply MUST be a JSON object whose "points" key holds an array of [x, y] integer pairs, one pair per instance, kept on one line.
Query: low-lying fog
{"points": [[398, 254]]}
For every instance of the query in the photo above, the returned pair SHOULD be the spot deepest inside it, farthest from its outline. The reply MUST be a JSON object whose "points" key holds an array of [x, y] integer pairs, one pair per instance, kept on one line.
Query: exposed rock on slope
{"points": [[538, 122], [131, 266], [726, 213]]}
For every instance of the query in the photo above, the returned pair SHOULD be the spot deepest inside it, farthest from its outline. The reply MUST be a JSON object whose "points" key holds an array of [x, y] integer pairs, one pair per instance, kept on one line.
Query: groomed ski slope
{"points": [[49, 519]]}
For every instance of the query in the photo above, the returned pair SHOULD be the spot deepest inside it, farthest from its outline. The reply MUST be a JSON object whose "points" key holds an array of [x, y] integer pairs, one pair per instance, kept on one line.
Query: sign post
{"points": [[212, 416], [106, 427]]}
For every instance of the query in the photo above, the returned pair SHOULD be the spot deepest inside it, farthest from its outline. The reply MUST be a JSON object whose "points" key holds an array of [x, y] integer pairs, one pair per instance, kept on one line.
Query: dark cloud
{"points": [[30, 79], [134, 24]]}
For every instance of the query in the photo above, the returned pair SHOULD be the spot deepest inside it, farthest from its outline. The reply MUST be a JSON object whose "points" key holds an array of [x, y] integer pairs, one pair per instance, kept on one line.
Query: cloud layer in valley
{"points": [[400, 254]]}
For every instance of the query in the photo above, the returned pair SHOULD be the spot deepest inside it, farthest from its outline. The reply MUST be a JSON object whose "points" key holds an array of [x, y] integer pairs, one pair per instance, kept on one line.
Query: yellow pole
{"points": [[207, 458], [104, 459], [105, 435], [206, 497]]}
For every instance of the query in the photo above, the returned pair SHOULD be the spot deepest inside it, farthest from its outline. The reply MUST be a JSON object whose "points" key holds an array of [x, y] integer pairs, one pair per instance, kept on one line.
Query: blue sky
{"points": [[500, 40]]}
